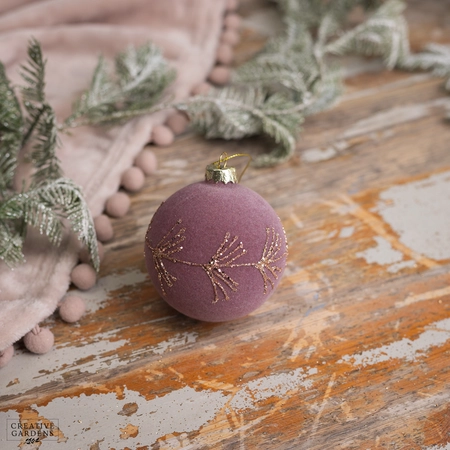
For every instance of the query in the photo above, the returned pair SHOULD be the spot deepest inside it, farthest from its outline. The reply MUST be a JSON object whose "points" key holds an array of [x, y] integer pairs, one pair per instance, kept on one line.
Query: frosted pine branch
{"points": [[140, 78], [50, 198], [235, 113]]}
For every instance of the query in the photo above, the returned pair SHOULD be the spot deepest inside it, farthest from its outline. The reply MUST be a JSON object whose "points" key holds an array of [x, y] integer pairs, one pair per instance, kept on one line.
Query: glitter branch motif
{"points": [[167, 246], [267, 264], [226, 256]]}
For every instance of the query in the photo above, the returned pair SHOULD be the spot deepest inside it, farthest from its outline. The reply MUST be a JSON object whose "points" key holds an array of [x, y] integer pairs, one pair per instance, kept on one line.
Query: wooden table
{"points": [[353, 349]]}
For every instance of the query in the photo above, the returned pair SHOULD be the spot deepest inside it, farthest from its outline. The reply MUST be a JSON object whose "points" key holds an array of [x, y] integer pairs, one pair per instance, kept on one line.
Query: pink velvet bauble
{"points": [[215, 251]]}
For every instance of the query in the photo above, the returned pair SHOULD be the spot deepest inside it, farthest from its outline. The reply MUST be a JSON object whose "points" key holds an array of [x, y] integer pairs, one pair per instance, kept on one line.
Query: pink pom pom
{"points": [[231, 5], [201, 89], [162, 136], [72, 308], [118, 204], [83, 277], [178, 123], [85, 256], [233, 21], [103, 228], [225, 54], [133, 179], [146, 161], [220, 75], [6, 356], [230, 37], [39, 340]]}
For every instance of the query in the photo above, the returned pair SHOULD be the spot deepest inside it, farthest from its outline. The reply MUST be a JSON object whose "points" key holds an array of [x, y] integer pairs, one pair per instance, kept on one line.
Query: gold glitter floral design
{"points": [[226, 256]]}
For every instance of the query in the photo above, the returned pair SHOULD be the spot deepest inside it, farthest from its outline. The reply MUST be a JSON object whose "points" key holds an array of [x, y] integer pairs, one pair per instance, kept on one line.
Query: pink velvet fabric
{"points": [[248, 266], [73, 34]]}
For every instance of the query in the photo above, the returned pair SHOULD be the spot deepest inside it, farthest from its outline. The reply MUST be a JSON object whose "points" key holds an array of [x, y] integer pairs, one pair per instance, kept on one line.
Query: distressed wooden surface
{"points": [[352, 350]]}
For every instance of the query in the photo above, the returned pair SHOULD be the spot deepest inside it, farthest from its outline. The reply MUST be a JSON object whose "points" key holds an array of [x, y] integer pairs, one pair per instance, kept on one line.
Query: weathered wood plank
{"points": [[350, 352]]}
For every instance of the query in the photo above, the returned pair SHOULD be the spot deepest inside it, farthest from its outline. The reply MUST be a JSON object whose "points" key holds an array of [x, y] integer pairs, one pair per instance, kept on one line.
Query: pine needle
{"points": [[34, 74], [140, 78], [11, 126], [11, 244]]}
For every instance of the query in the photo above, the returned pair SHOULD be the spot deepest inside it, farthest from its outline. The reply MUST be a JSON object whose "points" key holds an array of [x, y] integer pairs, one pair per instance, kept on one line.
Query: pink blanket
{"points": [[73, 34]]}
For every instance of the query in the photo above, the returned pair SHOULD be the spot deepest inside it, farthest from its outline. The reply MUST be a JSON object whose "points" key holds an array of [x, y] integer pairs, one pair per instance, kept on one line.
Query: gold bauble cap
{"points": [[218, 172], [220, 175]]}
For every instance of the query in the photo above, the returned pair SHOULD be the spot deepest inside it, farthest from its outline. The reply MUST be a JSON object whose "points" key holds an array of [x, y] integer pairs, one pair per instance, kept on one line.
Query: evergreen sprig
{"points": [[383, 34], [138, 83], [298, 68], [44, 206], [48, 198], [435, 58], [236, 113], [11, 128]]}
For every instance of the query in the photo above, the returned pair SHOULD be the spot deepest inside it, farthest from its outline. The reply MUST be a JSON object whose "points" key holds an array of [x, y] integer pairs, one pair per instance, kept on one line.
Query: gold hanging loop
{"points": [[221, 163]]}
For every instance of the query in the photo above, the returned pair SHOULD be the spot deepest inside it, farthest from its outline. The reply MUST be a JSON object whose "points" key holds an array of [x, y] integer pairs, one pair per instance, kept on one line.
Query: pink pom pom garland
{"points": [[83, 276]]}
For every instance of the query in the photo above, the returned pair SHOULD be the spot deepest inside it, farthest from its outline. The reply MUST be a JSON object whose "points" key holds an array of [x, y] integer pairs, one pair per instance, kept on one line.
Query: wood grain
{"points": [[352, 350]]}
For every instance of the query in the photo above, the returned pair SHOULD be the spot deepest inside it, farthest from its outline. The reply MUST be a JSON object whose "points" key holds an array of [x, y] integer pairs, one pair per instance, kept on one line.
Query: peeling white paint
{"points": [[419, 212], [394, 268], [417, 405], [319, 235], [377, 125], [329, 262], [411, 80], [297, 222], [343, 209], [436, 334], [382, 254], [346, 232], [313, 155], [438, 447], [178, 340], [393, 116], [277, 385], [86, 419], [331, 234], [36, 370], [174, 163], [96, 297], [412, 298], [90, 357]]}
